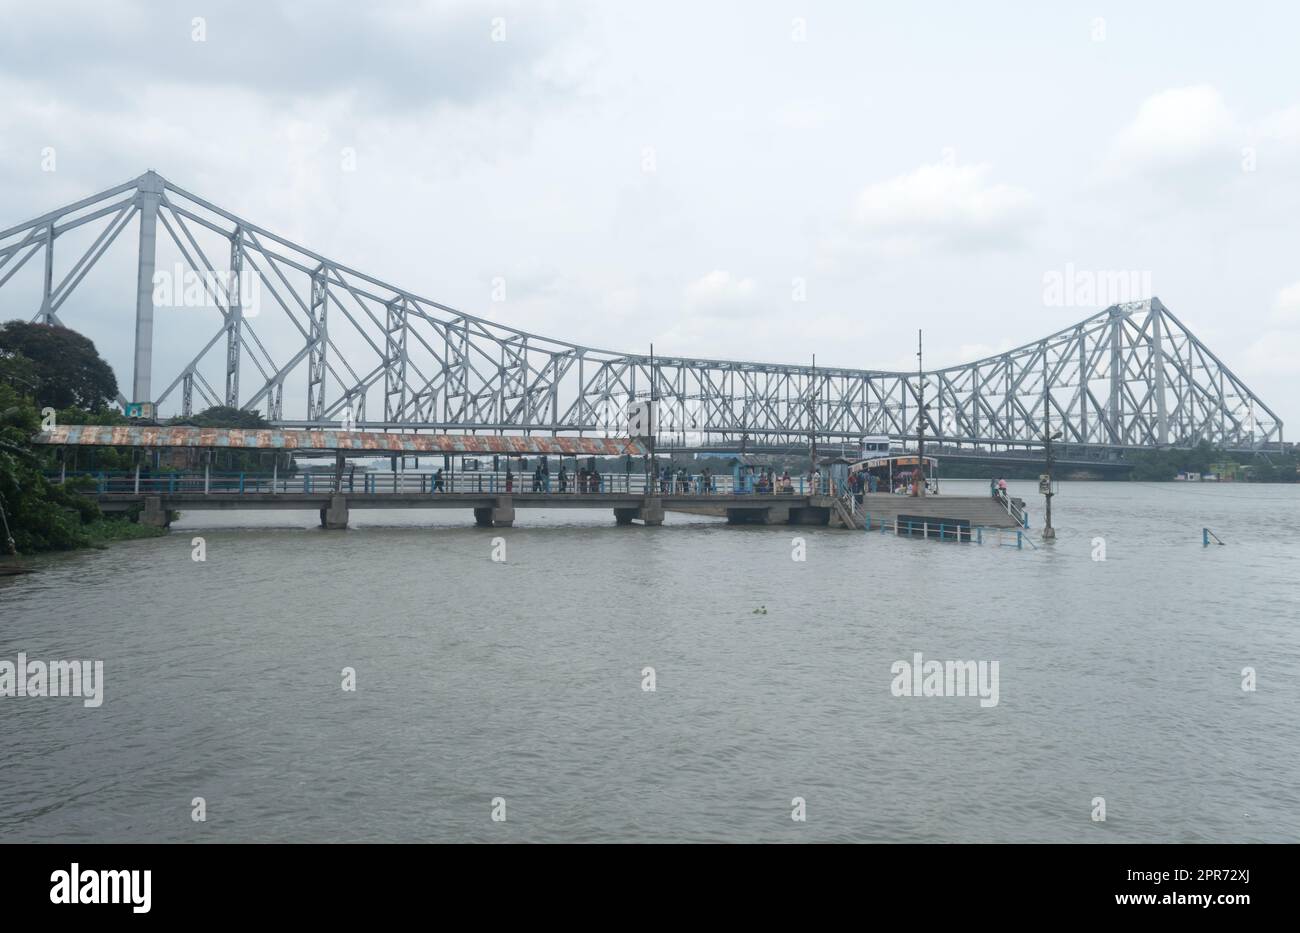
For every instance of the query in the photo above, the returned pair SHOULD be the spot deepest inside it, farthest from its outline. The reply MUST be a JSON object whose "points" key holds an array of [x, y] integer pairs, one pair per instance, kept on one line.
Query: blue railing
{"points": [[216, 482]]}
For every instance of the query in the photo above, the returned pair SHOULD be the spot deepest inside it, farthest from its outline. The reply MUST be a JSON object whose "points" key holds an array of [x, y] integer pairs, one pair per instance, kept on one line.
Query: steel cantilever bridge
{"points": [[350, 346]]}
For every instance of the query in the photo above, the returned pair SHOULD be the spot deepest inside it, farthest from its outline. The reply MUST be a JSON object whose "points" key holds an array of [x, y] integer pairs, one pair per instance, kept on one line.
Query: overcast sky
{"points": [[683, 173]]}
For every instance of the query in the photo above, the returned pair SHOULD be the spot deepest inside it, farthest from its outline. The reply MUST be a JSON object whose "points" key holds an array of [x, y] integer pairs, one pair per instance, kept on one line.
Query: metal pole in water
{"points": [[920, 418], [1045, 485]]}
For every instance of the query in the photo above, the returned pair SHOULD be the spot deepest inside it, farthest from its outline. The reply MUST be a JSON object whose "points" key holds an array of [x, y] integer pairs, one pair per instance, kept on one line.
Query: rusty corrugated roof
{"points": [[381, 442]]}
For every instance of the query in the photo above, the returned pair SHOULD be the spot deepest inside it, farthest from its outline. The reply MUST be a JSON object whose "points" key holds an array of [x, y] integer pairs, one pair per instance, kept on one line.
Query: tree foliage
{"points": [[40, 367], [1263, 467], [1166, 463], [223, 416], [17, 372], [67, 369], [41, 515]]}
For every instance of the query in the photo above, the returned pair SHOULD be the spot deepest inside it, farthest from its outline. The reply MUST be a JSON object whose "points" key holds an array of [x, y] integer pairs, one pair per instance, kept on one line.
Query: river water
{"points": [[523, 679]]}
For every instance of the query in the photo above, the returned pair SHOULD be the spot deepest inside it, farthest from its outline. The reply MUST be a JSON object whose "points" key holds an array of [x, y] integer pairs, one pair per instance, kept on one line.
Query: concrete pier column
{"points": [[503, 514], [483, 517], [335, 515], [809, 515], [652, 511], [154, 515], [776, 515]]}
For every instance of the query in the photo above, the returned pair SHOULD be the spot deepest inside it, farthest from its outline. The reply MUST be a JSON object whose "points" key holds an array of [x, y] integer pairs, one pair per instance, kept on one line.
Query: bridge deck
{"points": [[499, 509], [218, 501]]}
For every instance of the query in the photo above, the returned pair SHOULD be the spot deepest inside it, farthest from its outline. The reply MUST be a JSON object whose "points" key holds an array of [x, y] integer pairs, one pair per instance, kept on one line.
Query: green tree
{"points": [[41, 515], [68, 369], [223, 416], [1167, 462], [18, 372]]}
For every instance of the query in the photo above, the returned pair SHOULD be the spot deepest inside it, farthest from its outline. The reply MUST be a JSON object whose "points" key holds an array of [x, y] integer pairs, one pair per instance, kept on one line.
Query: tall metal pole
{"points": [[1049, 533], [812, 423], [650, 422], [920, 415]]}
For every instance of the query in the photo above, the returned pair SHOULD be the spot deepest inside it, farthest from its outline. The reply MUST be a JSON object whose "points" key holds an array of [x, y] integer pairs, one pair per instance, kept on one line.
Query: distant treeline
{"points": [[1147, 466], [1265, 467]]}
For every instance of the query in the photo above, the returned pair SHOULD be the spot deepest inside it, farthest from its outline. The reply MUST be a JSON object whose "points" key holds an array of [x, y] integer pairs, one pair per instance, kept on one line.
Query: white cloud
{"points": [[1286, 306], [970, 352], [1176, 127], [720, 294], [1275, 352], [1283, 126], [943, 204], [805, 115], [1193, 127]]}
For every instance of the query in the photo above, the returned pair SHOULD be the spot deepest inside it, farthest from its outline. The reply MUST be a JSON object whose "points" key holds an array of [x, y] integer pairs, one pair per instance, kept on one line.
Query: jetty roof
{"points": [[377, 442]]}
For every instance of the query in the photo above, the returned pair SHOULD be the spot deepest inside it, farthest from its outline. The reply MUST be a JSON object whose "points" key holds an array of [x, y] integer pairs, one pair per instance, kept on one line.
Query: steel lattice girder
{"points": [[1131, 375]]}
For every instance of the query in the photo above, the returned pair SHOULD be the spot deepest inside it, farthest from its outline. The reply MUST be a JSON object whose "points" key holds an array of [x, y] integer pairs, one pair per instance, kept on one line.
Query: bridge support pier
{"points": [[652, 511], [335, 515], [503, 513], [756, 516], [776, 515], [154, 515], [834, 520]]}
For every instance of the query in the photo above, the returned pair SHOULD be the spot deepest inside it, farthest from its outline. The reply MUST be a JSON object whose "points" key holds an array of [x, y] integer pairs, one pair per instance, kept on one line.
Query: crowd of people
{"points": [[764, 480], [583, 480], [673, 479], [681, 481], [862, 482]]}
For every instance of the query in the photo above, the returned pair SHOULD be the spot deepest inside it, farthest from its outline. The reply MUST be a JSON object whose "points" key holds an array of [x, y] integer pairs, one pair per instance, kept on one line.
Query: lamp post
{"points": [[812, 425], [651, 427], [1045, 484], [920, 417]]}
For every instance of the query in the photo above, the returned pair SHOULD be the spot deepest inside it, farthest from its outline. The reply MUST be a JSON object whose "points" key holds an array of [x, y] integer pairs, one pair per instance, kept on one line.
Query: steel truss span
{"points": [[1129, 376]]}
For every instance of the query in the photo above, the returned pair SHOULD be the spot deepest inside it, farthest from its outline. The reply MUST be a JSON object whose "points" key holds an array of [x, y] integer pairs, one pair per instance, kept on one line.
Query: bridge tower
{"points": [[150, 189]]}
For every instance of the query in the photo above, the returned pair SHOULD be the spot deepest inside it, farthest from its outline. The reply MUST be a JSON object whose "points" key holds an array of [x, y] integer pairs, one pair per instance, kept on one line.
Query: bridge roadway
{"points": [[499, 509], [490, 510]]}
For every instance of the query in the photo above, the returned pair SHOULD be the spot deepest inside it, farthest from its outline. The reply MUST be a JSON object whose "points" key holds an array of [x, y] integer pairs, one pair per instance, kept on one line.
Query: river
{"points": [[523, 679]]}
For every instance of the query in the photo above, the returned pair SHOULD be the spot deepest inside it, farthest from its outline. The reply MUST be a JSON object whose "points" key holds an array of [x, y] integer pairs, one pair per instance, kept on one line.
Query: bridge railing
{"points": [[1017, 512], [431, 482], [374, 482]]}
